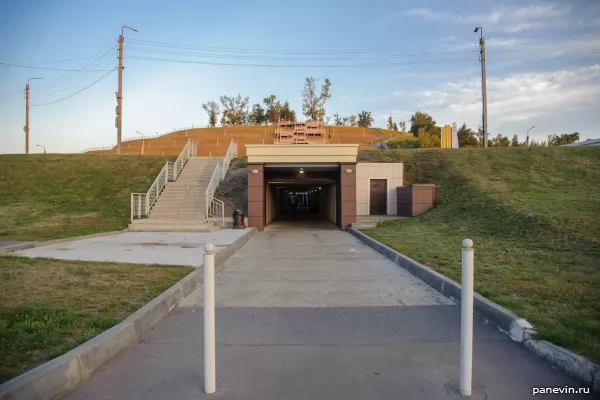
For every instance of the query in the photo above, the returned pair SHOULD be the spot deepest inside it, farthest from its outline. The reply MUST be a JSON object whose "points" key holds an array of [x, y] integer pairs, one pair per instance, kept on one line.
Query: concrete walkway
{"points": [[167, 248], [315, 314]]}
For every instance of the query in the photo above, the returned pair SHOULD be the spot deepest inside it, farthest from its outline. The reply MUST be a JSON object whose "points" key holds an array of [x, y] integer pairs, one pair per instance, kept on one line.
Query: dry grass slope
{"points": [[215, 141]]}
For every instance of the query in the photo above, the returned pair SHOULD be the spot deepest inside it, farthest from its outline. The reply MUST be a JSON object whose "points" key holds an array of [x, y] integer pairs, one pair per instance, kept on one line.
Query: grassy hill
{"points": [[215, 141], [50, 196], [533, 214]]}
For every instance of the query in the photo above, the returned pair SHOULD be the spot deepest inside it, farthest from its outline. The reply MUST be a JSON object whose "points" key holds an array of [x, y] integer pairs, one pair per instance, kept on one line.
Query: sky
{"points": [[387, 57]]}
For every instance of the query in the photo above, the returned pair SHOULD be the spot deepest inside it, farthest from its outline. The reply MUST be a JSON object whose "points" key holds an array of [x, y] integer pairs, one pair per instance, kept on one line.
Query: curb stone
{"points": [[58, 377], [11, 249], [517, 328]]}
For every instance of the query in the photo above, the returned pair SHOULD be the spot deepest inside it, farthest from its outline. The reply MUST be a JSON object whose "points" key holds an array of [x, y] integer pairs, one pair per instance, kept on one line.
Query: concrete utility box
{"points": [[415, 199]]}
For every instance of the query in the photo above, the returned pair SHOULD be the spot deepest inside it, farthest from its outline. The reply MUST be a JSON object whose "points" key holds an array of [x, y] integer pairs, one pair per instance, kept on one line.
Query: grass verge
{"points": [[533, 216], [51, 196], [48, 307]]}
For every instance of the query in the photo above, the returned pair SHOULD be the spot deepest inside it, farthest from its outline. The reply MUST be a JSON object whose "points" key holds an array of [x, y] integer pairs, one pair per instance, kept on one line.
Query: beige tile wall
{"points": [[394, 172]]}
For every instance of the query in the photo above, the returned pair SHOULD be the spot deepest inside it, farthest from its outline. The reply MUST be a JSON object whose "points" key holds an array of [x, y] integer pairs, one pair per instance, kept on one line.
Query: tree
{"points": [[337, 120], [235, 110], [395, 127], [313, 104], [500, 141], [272, 109], [390, 123], [402, 126], [428, 140], [422, 122], [213, 110], [286, 114], [515, 141], [466, 137], [365, 119], [349, 121], [564, 138], [257, 116]]}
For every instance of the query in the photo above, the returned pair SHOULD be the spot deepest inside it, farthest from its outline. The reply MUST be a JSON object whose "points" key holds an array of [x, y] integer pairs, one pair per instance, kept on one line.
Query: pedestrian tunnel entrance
{"points": [[310, 202], [301, 186]]}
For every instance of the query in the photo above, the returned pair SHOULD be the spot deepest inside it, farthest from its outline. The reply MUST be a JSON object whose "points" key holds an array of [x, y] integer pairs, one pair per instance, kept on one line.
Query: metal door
{"points": [[378, 197]]}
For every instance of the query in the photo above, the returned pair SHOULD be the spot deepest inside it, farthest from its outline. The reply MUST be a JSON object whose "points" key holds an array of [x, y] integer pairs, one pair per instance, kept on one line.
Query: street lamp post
{"points": [[527, 140], [39, 145], [143, 144]]}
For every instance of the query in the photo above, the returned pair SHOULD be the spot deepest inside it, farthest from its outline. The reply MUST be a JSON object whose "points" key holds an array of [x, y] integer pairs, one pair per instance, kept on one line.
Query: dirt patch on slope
{"points": [[233, 191]]}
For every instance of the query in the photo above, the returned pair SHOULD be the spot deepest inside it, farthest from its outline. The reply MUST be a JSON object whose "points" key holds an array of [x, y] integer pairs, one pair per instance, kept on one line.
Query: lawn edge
{"points": [[60, 376], [18, 247], [517, 328]]}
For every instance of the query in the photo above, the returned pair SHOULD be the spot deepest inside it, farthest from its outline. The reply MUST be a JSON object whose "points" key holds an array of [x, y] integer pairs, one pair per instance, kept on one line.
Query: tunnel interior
{"points": [[302, 195]]}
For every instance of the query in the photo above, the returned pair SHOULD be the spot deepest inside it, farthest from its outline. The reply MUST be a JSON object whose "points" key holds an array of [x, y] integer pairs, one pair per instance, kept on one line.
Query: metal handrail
{"points": [[141, 203], [96, 149], [232, 152], [215, 208]]}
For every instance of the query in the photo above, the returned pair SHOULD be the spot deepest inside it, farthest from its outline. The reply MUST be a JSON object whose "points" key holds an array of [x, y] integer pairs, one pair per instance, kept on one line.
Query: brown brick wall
{"points": [[347, 212], [256, 197]]}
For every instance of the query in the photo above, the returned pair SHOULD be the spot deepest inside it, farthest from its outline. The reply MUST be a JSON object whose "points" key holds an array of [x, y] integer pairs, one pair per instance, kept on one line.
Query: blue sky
{"points": [[543, 63]]}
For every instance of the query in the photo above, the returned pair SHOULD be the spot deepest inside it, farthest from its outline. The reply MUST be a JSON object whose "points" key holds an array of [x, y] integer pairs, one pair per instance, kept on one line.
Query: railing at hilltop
{"points": [[141, 203], [96, 149], [215, 208]]}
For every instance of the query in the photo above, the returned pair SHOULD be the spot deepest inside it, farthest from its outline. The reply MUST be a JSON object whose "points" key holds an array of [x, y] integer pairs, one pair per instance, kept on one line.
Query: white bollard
{"points": [[209, 319], [466, 318]]}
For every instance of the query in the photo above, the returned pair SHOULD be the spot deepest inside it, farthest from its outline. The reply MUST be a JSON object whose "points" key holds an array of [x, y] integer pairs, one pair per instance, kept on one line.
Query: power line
{"points": [[294, 58], [298, 65], [93, 74], [306, 51], [47, 69], [61, 80], [61, 61], [76, 93]]}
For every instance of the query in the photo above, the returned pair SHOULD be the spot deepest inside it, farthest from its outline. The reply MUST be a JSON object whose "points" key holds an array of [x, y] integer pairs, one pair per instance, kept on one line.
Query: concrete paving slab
{"points": [[316, 314], [314, 268], [167, 248], [288, 365]]}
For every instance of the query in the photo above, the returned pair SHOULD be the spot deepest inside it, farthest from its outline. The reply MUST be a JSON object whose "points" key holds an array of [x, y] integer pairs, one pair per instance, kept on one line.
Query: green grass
{"points": [[49, 196], [48, 307], [534, 216]]}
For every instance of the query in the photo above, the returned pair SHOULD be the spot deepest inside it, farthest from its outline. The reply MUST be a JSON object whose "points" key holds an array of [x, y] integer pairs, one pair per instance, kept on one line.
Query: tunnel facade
{"points": [[302, 183]]}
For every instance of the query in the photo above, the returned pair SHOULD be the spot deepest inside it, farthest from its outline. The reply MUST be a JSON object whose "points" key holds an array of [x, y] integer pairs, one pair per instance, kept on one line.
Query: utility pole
{"points": [[26, 127], [119, 119], [483, 84]]}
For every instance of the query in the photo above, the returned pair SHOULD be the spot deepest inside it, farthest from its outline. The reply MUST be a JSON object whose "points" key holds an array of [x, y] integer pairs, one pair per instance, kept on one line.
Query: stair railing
{"points": [[142, 203], [215, 208]]}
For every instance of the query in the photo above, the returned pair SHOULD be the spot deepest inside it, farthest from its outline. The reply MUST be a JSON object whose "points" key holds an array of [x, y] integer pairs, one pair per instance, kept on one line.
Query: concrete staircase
{"points": [[182, 205]]}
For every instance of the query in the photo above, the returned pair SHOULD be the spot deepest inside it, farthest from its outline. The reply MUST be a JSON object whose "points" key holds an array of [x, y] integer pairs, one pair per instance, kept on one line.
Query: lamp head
{"points": [[476, 30]]}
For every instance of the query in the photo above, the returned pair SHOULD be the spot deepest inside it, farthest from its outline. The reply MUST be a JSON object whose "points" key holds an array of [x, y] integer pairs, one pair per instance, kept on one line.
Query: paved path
{"points": [[167, 248], [13, 243], [315, 314]]}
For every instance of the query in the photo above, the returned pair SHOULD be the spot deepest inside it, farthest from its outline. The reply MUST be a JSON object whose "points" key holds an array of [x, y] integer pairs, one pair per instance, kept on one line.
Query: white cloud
{"points": [[508, 19], [516, 98]]}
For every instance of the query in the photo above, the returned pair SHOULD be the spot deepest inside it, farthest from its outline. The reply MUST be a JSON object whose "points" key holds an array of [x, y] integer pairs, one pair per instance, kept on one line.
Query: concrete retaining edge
{"points": [[517, 328], [58, 377], [11, 249]]}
